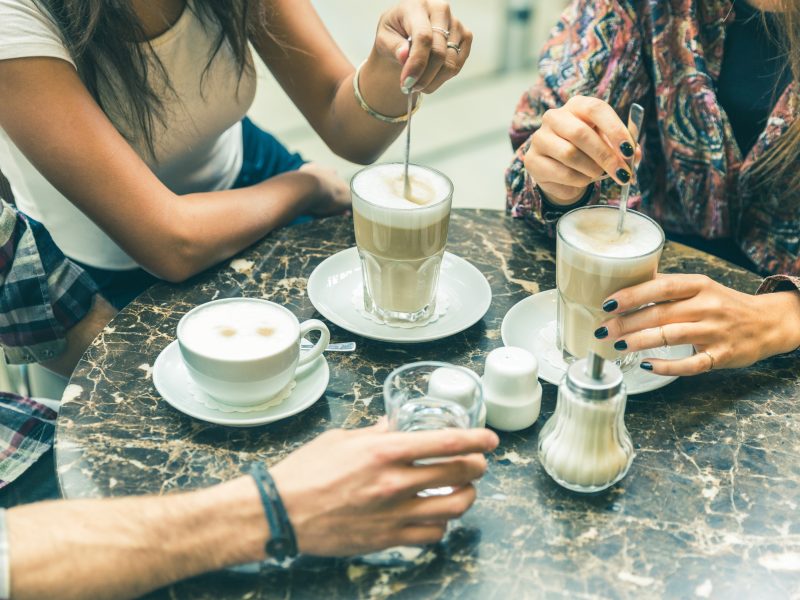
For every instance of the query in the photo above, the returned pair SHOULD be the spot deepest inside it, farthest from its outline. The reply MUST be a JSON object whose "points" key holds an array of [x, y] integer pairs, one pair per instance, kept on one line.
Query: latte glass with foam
{"points": [[593, 261], [401, 240], [245, 351]]}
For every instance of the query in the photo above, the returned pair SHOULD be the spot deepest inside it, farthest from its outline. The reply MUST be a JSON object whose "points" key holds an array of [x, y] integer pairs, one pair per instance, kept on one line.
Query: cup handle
{"points": [[324, 338]]}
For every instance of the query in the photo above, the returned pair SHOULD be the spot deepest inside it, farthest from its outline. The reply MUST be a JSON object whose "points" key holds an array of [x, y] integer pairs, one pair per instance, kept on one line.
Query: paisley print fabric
{"points": [[665, 55]]}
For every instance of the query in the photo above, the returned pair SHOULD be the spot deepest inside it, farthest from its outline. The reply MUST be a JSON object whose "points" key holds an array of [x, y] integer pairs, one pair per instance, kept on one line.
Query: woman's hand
{"points": [[576, 145], [440, 44], [350, 492], [735, 329], [333, 193]]}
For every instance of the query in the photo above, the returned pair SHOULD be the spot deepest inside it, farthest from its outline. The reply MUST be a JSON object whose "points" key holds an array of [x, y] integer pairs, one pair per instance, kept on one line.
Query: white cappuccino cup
{"points": [[245, 351]]}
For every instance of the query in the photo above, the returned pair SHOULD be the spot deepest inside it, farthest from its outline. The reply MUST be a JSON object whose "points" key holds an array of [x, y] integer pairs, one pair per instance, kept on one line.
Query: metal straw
{"points": [[406, 183], [635, 121]]}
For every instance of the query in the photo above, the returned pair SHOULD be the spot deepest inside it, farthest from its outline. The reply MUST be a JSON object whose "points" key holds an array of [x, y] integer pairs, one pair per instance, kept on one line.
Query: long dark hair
{"points": [[106, 36]]}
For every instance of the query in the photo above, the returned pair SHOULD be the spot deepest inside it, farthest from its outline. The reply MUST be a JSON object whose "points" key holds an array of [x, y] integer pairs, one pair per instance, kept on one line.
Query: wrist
{"points": [[238, 505], [379, 83], [783, 331]]}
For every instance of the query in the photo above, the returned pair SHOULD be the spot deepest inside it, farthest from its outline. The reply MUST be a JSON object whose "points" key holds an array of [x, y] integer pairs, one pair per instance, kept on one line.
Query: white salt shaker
{"points": [[585, 446], [456, 385], [512, 392]]}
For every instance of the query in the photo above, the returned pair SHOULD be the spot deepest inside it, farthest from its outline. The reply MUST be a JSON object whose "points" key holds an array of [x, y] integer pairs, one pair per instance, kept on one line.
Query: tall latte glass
{"points": [[593, 261], [401, 240]]}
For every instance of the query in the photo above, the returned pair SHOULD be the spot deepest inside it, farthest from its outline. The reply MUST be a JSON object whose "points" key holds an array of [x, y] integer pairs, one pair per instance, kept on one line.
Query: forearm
{"points": [[124, 548], [81, 336], [206, 228]]}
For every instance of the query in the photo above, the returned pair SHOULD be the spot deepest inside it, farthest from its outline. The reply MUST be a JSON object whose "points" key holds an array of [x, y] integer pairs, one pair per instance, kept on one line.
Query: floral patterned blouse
{"points": [[665, 55]]}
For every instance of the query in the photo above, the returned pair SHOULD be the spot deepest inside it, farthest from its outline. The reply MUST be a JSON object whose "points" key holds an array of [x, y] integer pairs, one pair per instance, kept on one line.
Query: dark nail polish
{"points": [[623, 175], [647, 366], [620, 345], [610, 305], [601, 332], [627, 149]]}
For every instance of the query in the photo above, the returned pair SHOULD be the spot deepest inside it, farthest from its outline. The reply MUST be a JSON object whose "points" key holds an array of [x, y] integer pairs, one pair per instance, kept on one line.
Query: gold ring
{"points": [[713, 362], [443, 31], [456, 47], [663, 337]]}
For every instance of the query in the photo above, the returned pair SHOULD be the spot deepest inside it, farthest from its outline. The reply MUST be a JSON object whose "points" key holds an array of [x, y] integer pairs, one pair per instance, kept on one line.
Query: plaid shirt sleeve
{"points": [[42, 293]]}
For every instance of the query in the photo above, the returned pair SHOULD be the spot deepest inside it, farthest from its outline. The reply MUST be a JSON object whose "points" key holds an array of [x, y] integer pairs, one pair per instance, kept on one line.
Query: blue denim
{"points": [[263, 157]]}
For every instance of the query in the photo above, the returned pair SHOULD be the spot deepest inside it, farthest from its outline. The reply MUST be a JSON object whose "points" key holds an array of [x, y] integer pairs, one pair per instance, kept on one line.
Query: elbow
{"points": [[177, 260], [360, 155]]}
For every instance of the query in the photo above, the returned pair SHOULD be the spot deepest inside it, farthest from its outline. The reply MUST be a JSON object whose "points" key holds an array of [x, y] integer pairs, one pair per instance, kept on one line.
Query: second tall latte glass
{"points": [[401, 240], [593, 261]]}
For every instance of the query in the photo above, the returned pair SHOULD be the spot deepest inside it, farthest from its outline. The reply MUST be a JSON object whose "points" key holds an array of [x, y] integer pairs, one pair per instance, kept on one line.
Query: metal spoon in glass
{"points": [[635, 121]]}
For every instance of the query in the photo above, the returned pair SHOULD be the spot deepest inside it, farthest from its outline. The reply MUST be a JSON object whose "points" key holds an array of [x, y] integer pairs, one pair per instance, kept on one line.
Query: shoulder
{"points": [[27, 30]]}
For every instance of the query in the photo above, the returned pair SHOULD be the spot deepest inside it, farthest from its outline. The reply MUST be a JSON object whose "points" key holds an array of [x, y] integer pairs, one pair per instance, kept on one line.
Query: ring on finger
{"points": [[443, 31], [454, 46], [711, 357], [663, 337]]}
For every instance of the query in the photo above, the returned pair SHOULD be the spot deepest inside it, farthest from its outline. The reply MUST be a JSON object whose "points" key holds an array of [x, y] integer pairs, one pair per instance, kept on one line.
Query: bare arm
{"points": [[127, 547], [76, 147], [311, 68], [80, 336]]}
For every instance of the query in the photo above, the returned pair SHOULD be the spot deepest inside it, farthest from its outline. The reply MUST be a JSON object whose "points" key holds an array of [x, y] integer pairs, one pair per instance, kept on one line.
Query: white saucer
{"points": [[531, 324], [331, 287], [173, 383]]}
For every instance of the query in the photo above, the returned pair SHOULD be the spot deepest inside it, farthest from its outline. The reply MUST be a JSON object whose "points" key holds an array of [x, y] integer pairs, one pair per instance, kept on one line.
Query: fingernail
{"points": [[610, 305], [623, 175], [621, 345], [647, 366], [408, 84], [627, 149], [601, 332]]}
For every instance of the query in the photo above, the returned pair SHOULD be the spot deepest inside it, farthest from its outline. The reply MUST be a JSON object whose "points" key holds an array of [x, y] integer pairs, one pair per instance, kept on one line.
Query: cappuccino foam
{"points": [[239, 330], [382, 188], [595, 231]]}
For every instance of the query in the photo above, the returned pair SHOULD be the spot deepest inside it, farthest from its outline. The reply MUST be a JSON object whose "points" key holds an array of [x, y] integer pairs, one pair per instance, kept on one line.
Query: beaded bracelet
{"points": [[372, 112], [282, 543]]}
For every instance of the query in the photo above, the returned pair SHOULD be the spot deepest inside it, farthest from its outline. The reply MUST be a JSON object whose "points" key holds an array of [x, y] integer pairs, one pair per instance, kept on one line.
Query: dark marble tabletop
{"points": [[708, 509]]}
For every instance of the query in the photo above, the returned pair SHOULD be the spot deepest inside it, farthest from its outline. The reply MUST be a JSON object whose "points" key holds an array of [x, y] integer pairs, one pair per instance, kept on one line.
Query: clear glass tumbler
{"points": [[401, 242], [593, 262], [431, 395]]}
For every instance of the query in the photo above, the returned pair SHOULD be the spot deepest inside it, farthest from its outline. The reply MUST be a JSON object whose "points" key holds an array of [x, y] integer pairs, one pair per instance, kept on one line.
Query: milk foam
{"points": [[382, 188], [595, 231], [238, 330]]}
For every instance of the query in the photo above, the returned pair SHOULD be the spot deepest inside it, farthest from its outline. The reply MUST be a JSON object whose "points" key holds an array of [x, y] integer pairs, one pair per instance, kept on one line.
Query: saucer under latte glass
{"points": [[594, 261], [401, 241]]}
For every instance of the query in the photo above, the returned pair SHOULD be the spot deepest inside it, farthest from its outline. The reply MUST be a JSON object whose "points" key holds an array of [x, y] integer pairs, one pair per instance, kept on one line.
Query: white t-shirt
{"points": [[198, 149]]}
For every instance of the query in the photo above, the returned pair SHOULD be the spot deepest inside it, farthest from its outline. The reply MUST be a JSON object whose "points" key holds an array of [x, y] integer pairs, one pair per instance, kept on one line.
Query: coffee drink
{"points": [[401, 240], [245, 351], [239, 331], [593, 261]]}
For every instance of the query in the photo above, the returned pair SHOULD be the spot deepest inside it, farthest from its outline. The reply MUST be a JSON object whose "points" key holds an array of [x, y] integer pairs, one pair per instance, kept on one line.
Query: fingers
{"points": [[581, 134], [439, 17], [419, 535], [674, 335], [408, 447], [605, 120], [549, 170], [661, 289], [438, 508], [416, 22], [693, 365], [547, 143], [454, 58], [454, 472], [650, 317]]}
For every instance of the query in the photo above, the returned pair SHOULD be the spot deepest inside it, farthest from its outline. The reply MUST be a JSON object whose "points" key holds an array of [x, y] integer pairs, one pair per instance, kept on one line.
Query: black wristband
{"points": [[282, 543]]}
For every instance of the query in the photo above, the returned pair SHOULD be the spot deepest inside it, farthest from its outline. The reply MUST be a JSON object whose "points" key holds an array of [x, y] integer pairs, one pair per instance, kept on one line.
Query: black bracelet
{"points": [[282, 543]]}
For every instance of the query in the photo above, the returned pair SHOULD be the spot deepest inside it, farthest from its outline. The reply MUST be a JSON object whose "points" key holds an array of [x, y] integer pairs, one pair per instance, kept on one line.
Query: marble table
{"points": [[708, 509]]}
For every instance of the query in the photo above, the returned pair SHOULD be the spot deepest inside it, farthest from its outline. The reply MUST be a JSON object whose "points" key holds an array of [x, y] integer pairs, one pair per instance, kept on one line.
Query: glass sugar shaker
{"points": [[585, 446]]}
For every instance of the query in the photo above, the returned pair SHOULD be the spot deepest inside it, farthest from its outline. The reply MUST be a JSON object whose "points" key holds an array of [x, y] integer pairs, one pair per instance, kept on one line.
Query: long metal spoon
{"points": [[406, 183], [635, 121]]}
